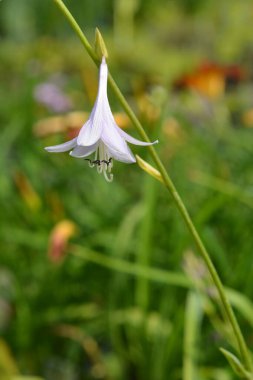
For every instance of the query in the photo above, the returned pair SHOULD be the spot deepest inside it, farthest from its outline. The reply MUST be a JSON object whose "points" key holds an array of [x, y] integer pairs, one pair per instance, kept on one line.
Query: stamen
{"points": [[108, 178], [91, 164], [99, 169], [103, 161]]}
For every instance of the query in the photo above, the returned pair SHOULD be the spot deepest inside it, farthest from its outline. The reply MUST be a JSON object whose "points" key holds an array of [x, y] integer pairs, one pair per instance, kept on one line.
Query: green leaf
{"points": [[236, 365], [192, 327]]}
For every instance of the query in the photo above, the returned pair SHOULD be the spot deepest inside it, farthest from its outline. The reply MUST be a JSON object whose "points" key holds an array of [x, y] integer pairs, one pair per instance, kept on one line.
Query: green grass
{"points": [[131, 299]]}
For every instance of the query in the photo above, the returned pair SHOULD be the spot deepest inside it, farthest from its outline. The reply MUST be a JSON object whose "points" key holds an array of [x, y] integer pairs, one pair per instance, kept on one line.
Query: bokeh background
{"points": [[96, 277]]}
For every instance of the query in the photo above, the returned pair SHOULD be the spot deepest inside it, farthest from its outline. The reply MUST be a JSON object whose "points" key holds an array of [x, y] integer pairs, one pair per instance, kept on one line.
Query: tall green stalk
{"points": [[242, 347]]}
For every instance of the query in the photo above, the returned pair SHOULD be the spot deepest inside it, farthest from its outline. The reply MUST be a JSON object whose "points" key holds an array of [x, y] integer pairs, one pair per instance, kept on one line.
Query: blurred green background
{"points": [[96, 278]]}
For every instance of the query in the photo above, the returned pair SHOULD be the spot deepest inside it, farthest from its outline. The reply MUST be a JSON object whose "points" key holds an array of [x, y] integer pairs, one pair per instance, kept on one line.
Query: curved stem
{"points": [[242, 347]]}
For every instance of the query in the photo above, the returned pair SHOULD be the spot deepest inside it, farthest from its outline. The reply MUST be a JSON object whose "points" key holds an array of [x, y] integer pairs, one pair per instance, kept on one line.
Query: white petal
{"points": [[126, 157], [91, 131], [132, 140], [62, 147], [112, 139], [103, 75], [116, 144], [83, 151]]}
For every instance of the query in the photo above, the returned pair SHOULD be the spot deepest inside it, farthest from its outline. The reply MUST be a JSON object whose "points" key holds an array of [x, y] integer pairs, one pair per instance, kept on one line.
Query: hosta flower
{"points": [[101, 135]]}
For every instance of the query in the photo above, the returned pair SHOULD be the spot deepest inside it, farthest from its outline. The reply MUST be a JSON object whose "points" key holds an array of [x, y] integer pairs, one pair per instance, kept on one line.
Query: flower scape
{"points": [[101, 135]]}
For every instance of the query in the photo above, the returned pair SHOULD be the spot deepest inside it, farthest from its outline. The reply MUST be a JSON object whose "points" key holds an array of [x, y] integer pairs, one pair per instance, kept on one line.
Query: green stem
{"points": [[242, 347]]}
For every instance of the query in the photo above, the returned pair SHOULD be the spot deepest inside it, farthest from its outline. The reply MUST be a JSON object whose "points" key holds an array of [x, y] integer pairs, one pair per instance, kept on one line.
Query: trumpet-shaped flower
{"points": [[101, 134]]}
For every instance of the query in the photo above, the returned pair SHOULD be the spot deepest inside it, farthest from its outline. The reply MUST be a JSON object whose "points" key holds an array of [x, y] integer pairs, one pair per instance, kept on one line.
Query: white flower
{"points": [[100, 134]]}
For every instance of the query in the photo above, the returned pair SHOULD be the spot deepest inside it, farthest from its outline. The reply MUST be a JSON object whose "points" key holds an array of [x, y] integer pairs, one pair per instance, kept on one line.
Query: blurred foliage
{"points": [[91, 273]]}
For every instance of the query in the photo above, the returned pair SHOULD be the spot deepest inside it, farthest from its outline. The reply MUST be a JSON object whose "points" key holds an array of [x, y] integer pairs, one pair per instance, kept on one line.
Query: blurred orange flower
{"points": [[210, 79], [58, 240]]}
